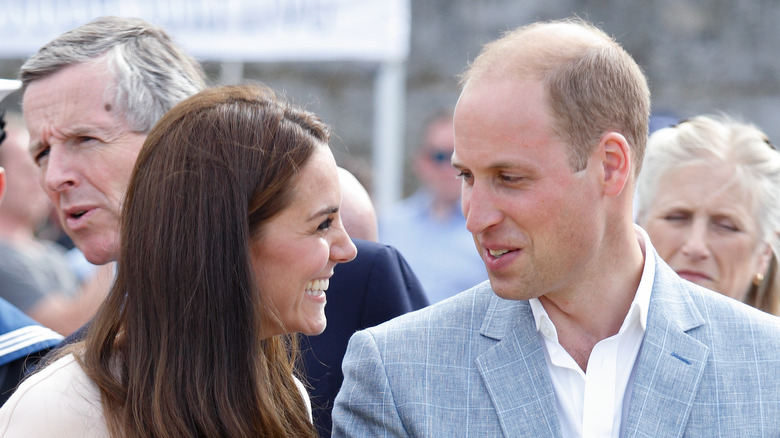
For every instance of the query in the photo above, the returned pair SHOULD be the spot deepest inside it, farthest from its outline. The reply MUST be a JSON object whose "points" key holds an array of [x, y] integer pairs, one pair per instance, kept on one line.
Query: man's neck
{"points": [[15, 231], [597, 308]]}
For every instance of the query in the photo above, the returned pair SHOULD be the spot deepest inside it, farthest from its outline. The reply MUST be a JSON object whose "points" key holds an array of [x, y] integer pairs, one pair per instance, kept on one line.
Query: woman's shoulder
{"points": [[58, 400], [305, 395]]}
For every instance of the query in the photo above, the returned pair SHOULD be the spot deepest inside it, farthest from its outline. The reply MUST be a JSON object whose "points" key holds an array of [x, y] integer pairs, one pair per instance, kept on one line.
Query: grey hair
{"points": [[151, 72], [721, 139]]}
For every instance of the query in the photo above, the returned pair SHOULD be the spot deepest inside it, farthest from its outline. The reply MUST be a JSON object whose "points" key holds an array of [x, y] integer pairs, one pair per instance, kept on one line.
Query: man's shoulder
{"points": [[432, 334], [728, 316], [719, 319], [457, 311]]}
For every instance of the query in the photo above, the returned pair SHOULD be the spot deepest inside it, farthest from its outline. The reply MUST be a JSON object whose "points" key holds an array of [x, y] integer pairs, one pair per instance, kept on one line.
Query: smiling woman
{"points": [[708, 200], [230, 233]]}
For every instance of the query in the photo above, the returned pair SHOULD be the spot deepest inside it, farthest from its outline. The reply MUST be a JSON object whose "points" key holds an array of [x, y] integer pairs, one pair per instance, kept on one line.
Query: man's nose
{"points": [[480, 208], [59, 172]]}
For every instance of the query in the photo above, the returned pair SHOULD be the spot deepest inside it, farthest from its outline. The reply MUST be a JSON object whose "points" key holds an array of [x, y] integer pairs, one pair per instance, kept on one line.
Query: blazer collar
{"points": [[669, 367], [515, 372], [671, 362]]}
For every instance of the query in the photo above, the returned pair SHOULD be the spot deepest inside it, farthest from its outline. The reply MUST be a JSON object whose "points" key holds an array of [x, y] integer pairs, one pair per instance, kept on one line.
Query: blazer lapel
{"points": [[515, 372], [670, 363]]}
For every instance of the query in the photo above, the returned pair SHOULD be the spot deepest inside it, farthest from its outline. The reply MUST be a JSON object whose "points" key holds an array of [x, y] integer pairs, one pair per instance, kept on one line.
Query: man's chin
{"points": [[509, 290], [99, 255]]}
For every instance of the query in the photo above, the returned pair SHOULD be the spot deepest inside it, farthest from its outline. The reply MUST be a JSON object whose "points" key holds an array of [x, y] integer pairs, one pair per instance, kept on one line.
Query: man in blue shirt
{"points": [[428, 228]]}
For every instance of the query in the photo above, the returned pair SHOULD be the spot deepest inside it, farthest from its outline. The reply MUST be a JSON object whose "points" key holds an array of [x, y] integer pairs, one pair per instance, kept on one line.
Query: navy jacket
{"points": [[22, 343], [376, 286]]}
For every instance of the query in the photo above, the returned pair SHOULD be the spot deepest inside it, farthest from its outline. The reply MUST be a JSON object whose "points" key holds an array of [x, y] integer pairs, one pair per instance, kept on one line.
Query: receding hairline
{"points": [[533, 50]]}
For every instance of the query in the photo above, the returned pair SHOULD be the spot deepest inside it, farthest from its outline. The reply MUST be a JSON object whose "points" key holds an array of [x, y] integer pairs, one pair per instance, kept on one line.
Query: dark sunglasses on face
{"points": [[440, 157], [2, 125]]}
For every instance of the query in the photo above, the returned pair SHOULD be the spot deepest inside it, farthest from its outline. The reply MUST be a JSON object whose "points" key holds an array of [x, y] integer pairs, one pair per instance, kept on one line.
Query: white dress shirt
{"points": [[592, 403]]}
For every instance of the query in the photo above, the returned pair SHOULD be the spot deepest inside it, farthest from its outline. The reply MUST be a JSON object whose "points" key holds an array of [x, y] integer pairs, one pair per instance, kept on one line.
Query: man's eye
{"points": [[464, 175], [85, 139], [511, 179], [40, 155]]}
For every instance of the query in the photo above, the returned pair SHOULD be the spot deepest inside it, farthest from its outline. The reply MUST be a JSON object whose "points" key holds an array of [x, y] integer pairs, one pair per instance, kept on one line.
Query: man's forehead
{"points": [[70, 112]]}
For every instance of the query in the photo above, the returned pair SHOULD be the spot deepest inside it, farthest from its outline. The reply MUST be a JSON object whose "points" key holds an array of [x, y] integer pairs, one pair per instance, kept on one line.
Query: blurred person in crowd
{"points": [[708, 198], [23, 340], [361, 222], [429, 228], [582, 330], [35, 275], [230, 233], [375, 287]]}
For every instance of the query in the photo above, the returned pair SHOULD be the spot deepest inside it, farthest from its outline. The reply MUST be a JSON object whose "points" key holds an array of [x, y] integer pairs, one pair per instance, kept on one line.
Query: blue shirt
{"points": [[441, 252]]}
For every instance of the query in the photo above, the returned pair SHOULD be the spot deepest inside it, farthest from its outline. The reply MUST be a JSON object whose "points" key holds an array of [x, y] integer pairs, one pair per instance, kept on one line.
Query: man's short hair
{"points": [[593, 85], [151, 72]]}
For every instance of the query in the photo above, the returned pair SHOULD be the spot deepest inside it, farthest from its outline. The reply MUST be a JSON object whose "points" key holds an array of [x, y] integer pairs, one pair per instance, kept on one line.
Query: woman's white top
{"points": [[61, 401]]}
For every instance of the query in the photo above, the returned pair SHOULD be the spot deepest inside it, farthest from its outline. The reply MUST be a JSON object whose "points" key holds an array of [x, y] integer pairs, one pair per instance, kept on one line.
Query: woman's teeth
{"points": [[317, 287], [498, 252]]}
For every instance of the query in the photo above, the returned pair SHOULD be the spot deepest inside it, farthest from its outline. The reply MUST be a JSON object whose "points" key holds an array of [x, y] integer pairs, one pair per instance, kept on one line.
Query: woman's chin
{"points": [[316, 328]]}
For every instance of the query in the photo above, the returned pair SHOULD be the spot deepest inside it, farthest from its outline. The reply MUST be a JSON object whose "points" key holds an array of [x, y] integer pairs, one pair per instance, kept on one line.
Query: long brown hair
{"points": [[176, 348]]}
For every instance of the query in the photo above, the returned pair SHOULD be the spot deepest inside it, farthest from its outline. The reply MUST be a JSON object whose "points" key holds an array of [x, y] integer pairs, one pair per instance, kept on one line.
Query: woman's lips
{"points": [[694, 276]]}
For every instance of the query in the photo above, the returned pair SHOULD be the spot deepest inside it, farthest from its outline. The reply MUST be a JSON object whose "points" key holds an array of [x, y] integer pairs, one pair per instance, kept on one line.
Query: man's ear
{"points": [[2, 184], [615, 154]]}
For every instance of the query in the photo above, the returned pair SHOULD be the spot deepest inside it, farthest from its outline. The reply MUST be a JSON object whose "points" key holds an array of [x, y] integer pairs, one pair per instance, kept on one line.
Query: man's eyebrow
{"points": [[82, 130], [35, 146], [455, 162], [499, 165], [77, 131]]}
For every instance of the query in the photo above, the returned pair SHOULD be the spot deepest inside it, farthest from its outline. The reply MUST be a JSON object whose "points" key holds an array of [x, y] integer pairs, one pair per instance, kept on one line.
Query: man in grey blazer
{"points": [[582, 329]]}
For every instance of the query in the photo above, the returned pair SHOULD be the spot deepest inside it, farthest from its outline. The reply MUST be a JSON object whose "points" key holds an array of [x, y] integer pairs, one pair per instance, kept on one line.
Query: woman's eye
{"points": [[675, 217], [325, 224], [726, 226]]}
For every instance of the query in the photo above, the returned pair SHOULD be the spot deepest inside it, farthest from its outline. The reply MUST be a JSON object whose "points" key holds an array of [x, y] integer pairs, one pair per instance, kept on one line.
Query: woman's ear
{"points": [[765, 259]]}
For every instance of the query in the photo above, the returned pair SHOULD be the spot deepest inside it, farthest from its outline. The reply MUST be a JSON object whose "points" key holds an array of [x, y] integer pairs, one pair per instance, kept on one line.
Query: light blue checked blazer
{"points": [[474, 366]]}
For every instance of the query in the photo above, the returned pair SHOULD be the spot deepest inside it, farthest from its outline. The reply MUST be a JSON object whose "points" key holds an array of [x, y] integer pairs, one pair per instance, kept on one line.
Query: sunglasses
{"points": [[2, 125], [440, 157]]}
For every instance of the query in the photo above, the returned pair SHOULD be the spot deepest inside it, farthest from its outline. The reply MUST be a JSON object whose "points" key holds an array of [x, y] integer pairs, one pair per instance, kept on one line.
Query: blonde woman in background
{"points": [[708, 198]]}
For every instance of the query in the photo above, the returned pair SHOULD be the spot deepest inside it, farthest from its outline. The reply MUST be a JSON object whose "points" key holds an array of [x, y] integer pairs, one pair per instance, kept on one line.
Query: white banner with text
{"points": [[229, 30]]}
